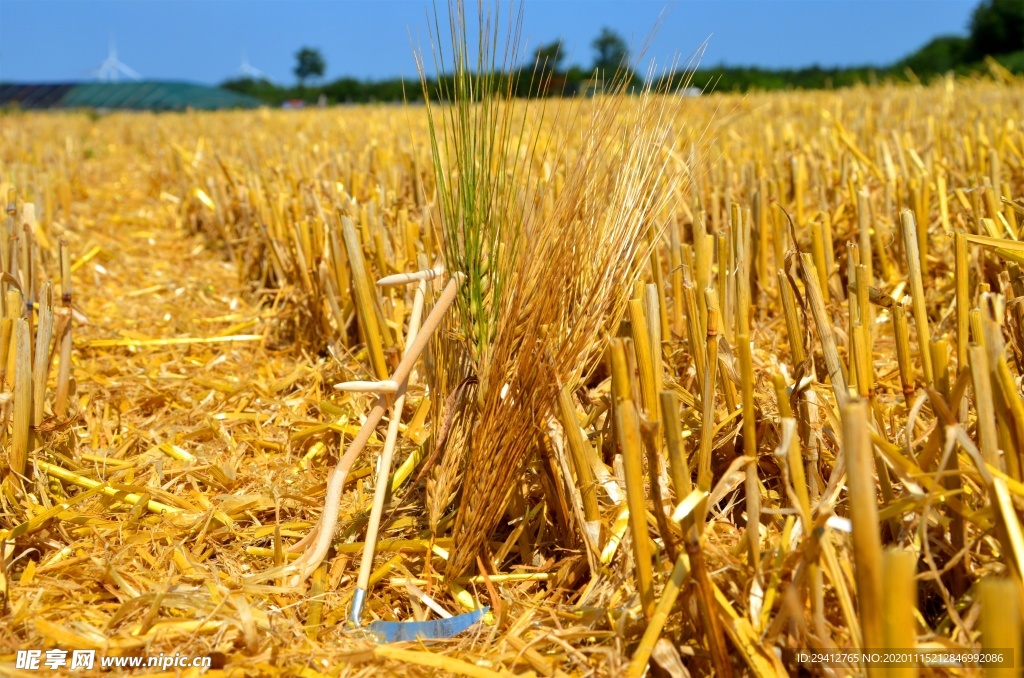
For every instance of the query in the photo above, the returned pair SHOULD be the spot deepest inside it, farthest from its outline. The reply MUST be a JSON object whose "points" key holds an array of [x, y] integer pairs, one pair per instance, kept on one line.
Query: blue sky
{"points": [[44, 40]]}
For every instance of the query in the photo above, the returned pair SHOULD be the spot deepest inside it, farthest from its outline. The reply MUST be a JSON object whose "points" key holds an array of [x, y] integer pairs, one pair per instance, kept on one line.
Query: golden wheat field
{"points": [[722, 382]]}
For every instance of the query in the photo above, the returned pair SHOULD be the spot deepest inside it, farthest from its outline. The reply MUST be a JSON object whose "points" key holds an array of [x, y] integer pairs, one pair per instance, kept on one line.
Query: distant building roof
{"points": [[146, 95]]}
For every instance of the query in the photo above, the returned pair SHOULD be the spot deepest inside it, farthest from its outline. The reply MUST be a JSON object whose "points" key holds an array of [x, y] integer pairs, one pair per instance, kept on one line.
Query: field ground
{"points": [[203, 422]]}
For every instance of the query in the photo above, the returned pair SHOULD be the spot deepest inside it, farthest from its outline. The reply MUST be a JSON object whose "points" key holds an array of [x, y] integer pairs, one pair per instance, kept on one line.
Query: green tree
{"points": [[940, 55], [550, 56], [544, 76], [309, 63], [610, 51], [997, 27]]}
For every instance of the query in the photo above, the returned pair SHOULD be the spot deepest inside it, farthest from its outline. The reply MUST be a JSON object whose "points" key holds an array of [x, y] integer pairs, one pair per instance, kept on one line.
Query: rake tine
{"points": [[386, 386], [406, 278]]}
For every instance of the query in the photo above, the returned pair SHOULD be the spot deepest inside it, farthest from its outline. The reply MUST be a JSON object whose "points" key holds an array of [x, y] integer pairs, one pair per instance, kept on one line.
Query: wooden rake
{"points": [[315, 545]]}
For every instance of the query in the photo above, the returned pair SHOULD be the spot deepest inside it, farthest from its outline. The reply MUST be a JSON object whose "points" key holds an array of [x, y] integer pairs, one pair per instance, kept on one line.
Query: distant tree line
{"points": [[996, 29]]}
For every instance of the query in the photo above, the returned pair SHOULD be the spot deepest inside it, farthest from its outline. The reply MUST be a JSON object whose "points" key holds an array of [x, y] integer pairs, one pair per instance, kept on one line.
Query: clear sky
{"points": [[44, 40]]}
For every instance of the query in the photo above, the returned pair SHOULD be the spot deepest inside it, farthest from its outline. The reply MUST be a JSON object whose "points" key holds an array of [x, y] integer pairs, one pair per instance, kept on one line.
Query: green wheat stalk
{"points": [[480, 150]]}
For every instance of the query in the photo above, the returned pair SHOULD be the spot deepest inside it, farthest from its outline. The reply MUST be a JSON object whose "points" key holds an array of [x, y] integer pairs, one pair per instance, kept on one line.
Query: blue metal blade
{"points": [[395, 632]]}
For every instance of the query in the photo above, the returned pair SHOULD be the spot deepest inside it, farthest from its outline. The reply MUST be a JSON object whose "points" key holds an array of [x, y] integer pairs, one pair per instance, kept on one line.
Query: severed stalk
{"points": [[372, 332], [900, 593], [752, 485], [866, 352], [707, 606], [60, 402], [963, 303], [627, 424], [915, 264], [708, 399], [642, 654], [793, 330], [678, 464], [18, 458], [41, 365], [1001, 623], [695, 323], [902, 336], [581, 462], [867, 543], [983, 402], [825, 333]]}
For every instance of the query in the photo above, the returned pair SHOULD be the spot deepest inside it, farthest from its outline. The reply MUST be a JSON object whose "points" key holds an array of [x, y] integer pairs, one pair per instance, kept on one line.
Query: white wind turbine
{"points": [[247, 70], [113, 68]]}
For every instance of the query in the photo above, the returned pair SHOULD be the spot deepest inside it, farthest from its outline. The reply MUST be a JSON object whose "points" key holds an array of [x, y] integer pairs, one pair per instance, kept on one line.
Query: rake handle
{"points": [[313, 556], [386, 458]]}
